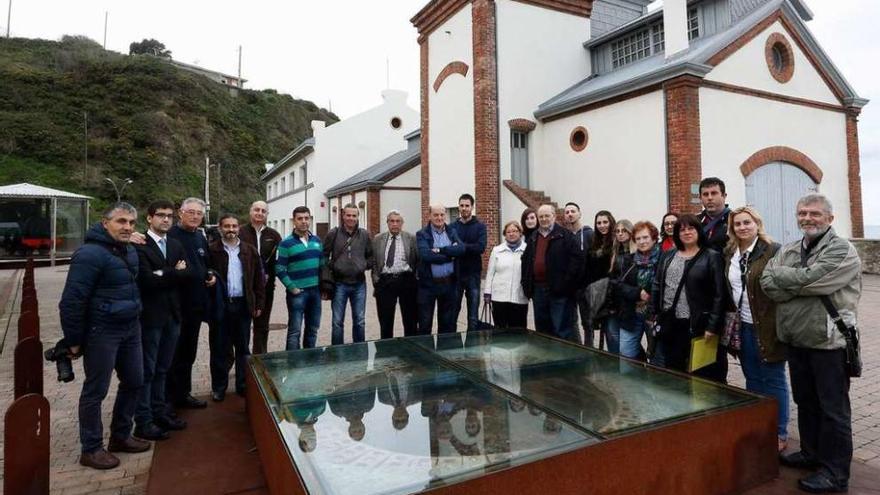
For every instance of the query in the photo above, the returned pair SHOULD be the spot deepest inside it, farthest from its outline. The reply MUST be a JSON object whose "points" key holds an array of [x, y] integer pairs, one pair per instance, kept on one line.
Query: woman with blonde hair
{"points": [[761, 353], [621, 264], [503, 286]]}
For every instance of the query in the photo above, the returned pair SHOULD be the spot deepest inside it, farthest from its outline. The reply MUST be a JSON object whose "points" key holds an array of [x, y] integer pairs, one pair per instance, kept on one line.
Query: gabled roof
{"points": [[695, 61], [378, 174], [25, 190], [303, 149]]}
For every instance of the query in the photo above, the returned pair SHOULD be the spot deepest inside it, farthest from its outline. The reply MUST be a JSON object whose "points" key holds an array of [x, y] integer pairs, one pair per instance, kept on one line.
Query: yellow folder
{"points": [[703, 352]]}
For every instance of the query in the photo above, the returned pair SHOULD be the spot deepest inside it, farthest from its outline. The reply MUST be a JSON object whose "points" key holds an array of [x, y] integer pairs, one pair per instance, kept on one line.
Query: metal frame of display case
{"points": [[717, 452]]}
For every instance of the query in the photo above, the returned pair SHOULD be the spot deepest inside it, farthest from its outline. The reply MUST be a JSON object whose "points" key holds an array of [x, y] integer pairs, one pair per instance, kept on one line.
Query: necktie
{"points": [[389, 259], [162, 247]]}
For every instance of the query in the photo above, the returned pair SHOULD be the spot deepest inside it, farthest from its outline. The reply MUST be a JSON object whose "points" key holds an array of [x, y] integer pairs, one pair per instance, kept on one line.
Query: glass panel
{"points": [[25, 227], [598, 391], [70, 226], [387, 417]]}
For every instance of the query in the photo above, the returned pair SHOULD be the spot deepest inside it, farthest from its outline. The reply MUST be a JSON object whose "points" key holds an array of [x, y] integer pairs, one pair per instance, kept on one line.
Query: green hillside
{"points": [[147, 120]]}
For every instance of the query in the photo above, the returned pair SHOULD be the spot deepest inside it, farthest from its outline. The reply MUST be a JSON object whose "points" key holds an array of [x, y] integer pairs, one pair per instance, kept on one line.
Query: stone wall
{"points": [[869, 251]]}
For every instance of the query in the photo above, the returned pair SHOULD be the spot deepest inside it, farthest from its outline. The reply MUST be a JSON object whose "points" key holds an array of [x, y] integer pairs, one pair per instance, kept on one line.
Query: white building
{"points": [[333, 154], [611, 106]]}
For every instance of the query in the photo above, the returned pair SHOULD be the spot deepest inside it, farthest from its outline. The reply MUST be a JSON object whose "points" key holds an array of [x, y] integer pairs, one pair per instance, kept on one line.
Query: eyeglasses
{"points": [[194, 213]]}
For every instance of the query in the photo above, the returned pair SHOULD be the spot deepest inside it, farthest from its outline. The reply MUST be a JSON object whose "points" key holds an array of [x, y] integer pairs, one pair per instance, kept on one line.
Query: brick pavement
{"points": [[68, 477]]}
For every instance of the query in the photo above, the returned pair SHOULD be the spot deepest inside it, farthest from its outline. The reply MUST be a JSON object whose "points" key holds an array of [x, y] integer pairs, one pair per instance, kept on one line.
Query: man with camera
{"points": [[817, 283], [99, 312], [162, 270]]}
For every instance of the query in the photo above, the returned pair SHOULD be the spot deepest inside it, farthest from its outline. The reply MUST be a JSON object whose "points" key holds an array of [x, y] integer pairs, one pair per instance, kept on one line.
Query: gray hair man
{"points": [[395, 261], [804, 277], [439, 249], [99, 311]]}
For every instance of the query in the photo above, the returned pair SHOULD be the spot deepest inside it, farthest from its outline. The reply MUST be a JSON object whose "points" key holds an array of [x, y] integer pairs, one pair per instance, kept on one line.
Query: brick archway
{"points": [[457, 67], [782, 154]]}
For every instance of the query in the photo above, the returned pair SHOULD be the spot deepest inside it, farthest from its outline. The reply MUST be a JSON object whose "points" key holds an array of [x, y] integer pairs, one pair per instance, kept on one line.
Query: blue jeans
{"points": [[357, 294], [611, 329], [763, 377], [235, 329], [106, 349], [469, 286], [554, 315], [158, 345], [305, 305], [443, 296], [631, 339]]}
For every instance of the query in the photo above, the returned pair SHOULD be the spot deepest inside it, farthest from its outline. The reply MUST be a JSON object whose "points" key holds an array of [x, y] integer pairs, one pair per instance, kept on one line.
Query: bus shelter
{"points": [[41, 222]]}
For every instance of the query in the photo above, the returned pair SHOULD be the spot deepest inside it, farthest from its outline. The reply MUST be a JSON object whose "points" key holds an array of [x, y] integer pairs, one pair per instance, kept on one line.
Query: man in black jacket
{"points": [[162, 269], [99, 311], [551, 269], [266, 240], [715, 212]]}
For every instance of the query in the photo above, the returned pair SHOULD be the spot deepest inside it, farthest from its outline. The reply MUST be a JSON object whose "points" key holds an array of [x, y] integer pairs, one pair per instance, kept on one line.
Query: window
{"points": [[396, 123], [283, 185], [578, 139], [275, 189], [283, 227], [631, 48], [292, 181], [779, 57], [302, 175], [519, 158], [693, 24], [268, 191], [658, 38]]}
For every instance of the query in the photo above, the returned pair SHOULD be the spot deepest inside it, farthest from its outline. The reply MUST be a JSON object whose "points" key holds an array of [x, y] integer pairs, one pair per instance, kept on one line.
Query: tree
{"points": [[150, 47]]}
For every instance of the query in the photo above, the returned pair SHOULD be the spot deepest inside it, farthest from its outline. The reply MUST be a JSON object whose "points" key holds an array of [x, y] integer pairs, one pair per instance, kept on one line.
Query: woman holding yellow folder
{"points": [[761, 354], [689, 297]]}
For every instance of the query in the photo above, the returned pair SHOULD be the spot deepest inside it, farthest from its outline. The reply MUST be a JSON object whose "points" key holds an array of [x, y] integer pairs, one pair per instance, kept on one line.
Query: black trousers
{"points": [[675, 353], [391, 290], [261, 324], [820, 387], [233, 331], [509, 315], [180, 375]]}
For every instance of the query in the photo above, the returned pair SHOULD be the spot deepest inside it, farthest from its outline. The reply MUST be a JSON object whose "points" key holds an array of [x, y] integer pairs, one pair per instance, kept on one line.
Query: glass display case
{"points": [[445, 412]]}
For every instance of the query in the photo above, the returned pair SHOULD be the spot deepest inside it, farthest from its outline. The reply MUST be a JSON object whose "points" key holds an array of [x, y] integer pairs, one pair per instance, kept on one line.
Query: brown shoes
{"points": [[99, 459], [131, 445]]}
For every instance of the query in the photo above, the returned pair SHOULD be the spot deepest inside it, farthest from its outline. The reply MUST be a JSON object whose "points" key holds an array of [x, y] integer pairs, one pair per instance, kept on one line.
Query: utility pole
{"points": [[105, 29], [85, 147], [240, 82], [219, 191], [8, 19], [207, 190]]}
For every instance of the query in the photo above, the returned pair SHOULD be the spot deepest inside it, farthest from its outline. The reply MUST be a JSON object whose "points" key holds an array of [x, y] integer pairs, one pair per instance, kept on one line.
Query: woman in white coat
{"points": [[510, 307]]}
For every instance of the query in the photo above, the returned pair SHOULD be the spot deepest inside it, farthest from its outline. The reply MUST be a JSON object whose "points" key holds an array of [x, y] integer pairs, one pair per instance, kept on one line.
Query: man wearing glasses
{"points": [[193, 300]]}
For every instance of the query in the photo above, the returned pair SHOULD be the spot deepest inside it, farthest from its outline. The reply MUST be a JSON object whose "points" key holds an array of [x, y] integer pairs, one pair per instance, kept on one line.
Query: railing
{"points": [[26, 437]]}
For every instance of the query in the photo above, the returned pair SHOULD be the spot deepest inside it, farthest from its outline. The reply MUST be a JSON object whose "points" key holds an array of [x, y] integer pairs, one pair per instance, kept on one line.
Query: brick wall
{"points": [[374, 211], [854, 172], [683, 141], [486, 173], [425, 138]]}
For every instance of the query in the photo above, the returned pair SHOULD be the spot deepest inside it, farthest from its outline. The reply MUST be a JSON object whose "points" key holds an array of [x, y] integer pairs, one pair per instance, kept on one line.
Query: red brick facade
{"points": [[683, 147], [486, 153], [374, 209], [782, 154], [457, 67], [425, 135], [854, 173], [522, 125]]}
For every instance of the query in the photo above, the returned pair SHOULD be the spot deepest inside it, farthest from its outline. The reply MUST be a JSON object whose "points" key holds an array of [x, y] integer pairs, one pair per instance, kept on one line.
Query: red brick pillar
{"points": [[682, 141], [426, 176], [374, 206], [486, 173], [854, 172]]}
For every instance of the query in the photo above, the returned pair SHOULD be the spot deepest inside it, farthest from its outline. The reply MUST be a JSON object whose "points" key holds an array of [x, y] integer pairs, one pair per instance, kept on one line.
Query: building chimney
{"points": [[269, 166], [675, 26], [317, 125]]}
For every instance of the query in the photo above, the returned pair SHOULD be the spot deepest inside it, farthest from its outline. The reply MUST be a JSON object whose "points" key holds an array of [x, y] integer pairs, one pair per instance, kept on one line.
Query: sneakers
{"points": [[821, 483], [99, 459], [131, 445]]}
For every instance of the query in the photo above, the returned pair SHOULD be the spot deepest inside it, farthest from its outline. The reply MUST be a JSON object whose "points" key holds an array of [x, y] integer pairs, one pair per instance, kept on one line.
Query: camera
{"points": [[60, 356]]}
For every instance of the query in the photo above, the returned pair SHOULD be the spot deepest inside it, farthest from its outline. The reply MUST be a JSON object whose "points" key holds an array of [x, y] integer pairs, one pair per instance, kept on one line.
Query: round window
{"points": [[396, 122], [780, 57], [578, 138]]}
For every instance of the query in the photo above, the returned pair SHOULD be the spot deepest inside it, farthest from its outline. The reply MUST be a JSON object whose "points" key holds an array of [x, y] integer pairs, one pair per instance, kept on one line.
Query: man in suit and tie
{"points": [[162, 268], [395, 259]]}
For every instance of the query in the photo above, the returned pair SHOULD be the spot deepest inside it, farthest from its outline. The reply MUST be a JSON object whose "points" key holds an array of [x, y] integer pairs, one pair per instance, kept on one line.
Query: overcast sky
{"points": [[335, 52]]}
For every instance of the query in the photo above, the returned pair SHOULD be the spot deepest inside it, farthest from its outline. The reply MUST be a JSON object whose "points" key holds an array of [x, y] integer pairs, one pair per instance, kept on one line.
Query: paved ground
{"points": [[130, 478]]}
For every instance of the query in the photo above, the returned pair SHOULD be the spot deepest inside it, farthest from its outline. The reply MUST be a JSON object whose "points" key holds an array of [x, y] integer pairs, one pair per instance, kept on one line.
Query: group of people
{"points": [[139, 308]]}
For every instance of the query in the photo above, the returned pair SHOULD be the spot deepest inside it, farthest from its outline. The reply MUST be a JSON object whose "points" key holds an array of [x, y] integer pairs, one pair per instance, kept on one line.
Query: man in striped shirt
{"points": [[300, 260]]}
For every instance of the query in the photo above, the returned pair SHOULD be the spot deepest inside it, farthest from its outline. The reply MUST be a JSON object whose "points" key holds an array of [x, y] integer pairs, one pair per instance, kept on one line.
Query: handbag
{"points": [[486, 322], [851, 335], [598, 294], [732, 336]]}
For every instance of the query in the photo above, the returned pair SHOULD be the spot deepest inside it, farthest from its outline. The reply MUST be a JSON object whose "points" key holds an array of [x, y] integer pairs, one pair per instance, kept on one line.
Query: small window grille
{"points": [[693, 24]]}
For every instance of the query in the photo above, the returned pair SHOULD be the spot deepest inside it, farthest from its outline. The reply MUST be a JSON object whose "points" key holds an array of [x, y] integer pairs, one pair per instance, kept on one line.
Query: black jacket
{"points": [[101, 289], [563, 261], [270, 239], [716, 236], [705, 289], [160, 292], [193, 293]]}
